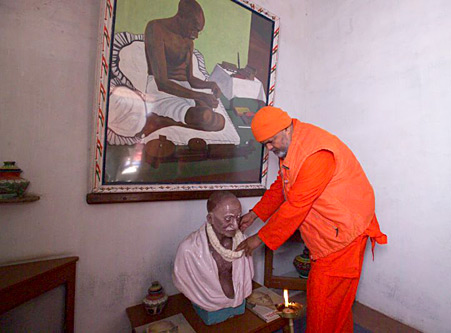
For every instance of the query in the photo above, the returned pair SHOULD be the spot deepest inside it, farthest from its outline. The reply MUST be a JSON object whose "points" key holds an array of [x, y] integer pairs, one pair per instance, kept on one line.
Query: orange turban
{"points": [[269, 121]]}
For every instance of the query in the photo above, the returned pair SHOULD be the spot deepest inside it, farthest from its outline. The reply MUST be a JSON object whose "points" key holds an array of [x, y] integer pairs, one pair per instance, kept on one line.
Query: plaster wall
{"points": [[48, 54], [379, 76]]}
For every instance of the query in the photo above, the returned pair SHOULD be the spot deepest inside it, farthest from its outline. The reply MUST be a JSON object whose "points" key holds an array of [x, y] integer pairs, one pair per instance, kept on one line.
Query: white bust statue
{"points": [[207, 270]]}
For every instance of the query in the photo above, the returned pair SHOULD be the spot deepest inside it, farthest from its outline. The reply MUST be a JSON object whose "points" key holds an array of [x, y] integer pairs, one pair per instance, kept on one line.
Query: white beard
{"points": [[280, 153]]}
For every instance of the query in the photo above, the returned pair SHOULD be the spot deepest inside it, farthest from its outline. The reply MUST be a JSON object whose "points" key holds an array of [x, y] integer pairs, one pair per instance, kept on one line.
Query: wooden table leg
{"points": [[70, 301]]}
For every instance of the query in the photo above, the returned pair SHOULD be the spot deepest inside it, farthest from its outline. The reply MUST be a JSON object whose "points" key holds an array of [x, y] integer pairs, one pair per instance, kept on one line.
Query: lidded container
{"points": [[12, 185], [302, 263], [156, 299]]}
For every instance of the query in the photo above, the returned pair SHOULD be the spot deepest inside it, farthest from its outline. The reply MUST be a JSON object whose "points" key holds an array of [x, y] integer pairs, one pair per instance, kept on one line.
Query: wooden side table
{"points": [[247, 322], [22, 282]]}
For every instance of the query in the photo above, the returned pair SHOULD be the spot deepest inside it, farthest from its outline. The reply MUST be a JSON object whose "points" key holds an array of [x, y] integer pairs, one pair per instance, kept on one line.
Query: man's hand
{"points": [[249, 244], [214, 88], [208, 100], [247, 220]]}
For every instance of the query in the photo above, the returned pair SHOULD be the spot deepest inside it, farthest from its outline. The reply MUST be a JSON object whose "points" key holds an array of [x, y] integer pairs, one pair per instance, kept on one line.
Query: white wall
{"points": [[379, 76], [48, 54], [376, 73]]}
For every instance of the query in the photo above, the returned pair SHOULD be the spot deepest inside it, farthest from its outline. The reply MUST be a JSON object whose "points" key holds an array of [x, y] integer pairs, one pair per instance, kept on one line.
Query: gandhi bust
{"points": [[207, 270]]}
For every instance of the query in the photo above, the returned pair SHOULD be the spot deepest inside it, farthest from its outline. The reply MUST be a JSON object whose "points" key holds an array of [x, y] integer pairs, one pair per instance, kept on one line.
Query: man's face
{"points": [[279, 143], [193, 26], [225, 217]]}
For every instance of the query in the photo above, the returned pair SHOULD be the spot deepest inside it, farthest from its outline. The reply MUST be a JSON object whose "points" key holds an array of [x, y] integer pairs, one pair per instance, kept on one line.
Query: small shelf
{"points": [[23, 199]]}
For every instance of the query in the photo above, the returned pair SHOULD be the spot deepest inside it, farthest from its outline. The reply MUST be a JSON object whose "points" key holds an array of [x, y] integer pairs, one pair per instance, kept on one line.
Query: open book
{"points": [[263, 302]]}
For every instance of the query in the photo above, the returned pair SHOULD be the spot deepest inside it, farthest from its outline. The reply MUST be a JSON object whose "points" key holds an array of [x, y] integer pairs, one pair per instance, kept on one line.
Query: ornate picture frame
{"points": [[179, 140]]}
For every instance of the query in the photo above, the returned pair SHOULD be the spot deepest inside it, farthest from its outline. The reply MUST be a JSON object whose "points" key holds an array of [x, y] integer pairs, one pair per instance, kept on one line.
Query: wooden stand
{"points": [[23, 282], [282, 282], [247, 322]]}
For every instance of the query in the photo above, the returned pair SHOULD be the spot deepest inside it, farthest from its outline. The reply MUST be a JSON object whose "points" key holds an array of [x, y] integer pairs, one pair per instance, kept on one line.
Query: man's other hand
{"points": [[209, 100], [247, 220], [249, 244]]}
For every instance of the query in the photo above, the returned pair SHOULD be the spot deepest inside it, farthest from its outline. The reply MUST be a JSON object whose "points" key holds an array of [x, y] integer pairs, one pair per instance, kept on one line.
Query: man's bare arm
{"points": [[198, 83], [156, 59]]}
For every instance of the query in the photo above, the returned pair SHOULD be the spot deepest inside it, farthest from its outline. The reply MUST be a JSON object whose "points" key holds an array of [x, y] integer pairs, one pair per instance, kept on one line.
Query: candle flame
{"points": [[285, 297]]}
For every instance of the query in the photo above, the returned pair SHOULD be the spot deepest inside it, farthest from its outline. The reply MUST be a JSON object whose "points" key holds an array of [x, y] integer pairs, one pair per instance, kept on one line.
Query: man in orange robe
{"points": [[321, 190]]}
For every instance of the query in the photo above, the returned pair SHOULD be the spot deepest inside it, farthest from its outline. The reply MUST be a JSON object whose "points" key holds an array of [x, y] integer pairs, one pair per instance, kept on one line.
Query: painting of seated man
{"points": [[186, 78]]}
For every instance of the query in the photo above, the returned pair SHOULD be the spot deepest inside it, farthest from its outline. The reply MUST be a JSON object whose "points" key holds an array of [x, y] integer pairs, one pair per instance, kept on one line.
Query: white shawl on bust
{"points": [[196, 274]]}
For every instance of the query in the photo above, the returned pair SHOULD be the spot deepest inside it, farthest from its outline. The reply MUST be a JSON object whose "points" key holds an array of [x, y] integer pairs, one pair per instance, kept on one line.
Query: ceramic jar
{"points": [[302, 263], [156, 299], [12, 185]]}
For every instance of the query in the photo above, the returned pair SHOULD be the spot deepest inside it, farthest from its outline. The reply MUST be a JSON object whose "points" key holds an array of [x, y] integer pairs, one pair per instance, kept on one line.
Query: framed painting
{"points": [[177, 85]]}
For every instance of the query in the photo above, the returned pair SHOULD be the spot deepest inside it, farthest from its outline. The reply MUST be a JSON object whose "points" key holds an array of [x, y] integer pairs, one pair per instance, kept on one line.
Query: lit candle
{"points": [[285, 297], [287, 308]]}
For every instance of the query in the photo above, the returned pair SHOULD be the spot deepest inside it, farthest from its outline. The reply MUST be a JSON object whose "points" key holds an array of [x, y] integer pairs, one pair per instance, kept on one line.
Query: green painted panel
{"points": [[226, 32]]}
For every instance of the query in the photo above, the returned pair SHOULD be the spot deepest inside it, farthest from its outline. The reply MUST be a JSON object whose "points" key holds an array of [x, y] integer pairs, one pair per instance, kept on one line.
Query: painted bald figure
{"points": [[170, 96]]}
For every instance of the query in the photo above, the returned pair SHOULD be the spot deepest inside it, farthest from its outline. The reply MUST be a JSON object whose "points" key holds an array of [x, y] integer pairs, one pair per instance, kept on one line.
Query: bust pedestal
{"points": [[214, 317]]}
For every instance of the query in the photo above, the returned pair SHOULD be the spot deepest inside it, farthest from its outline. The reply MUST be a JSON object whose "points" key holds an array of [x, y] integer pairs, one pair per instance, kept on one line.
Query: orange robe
{"points": [[286, 217], [333, 280]]}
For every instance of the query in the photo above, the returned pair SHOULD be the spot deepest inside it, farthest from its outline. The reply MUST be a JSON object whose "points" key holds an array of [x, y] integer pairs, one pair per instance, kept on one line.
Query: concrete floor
{"points": [[364, 316], [377, 322]]}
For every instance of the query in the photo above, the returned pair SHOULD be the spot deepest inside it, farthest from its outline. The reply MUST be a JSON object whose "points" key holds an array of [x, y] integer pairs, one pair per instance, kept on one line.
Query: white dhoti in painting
{"points": [[167, 105]]}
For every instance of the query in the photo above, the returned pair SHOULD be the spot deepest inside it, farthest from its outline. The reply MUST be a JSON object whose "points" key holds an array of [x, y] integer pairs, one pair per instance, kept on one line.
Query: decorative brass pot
{"points": [[302, 263], [156, 299], [12, 185]]}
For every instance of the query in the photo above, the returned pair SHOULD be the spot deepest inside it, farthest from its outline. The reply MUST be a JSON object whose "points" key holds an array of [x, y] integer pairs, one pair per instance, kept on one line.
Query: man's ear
{"points": [[289, 130], [209, 217]]}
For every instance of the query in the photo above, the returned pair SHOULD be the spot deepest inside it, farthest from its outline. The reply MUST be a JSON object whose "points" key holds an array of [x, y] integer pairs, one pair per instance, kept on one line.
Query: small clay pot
{"points": [[156, 299], [12, 185], [158, 150], [197, 144], [302, 263]]}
